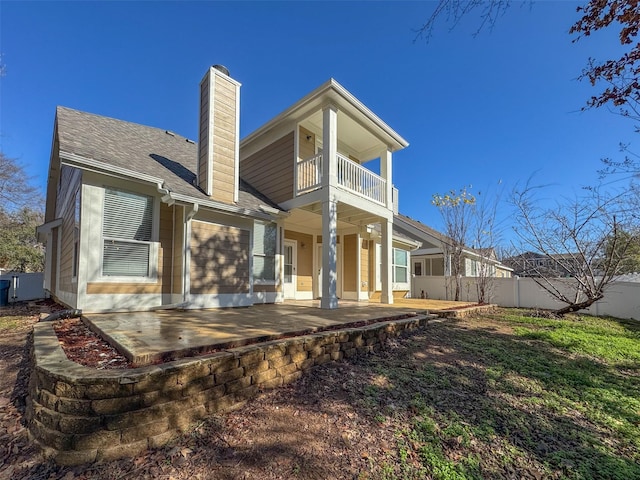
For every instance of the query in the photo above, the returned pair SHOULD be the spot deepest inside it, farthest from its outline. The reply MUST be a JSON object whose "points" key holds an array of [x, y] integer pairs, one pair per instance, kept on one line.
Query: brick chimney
{"points": [[218, 137]]}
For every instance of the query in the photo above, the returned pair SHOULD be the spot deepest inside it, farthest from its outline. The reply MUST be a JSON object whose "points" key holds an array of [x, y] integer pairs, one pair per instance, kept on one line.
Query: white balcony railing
{"points": [[309, 174], [359, 180], [351, 176]]}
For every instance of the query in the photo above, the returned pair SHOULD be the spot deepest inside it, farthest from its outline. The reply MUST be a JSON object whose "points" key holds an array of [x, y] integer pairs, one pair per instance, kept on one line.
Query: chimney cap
{"points": [[223, 69]]}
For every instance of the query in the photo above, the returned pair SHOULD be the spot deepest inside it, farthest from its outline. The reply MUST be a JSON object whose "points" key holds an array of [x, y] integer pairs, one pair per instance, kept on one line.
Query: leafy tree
{"points": [[20, 214], [19, 248], [618, 75], [625, 249]]}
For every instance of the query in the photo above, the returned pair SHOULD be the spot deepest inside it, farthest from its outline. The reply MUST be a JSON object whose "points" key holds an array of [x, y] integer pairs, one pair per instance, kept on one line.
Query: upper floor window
{"points": [[127, 230], [264, 251]]}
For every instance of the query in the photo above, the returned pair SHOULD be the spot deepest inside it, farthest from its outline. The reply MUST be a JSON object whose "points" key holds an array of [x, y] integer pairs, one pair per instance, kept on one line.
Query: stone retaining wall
{"points": [[79, 414]]}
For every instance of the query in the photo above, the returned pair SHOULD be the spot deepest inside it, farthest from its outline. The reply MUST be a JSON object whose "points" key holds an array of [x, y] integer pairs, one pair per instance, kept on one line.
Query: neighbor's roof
{"points": [[422, 227], [143, 150]]}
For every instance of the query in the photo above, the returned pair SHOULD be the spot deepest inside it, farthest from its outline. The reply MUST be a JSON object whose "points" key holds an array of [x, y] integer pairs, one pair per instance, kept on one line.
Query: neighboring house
{"points": [[432, 258], [532, 264], [140, 218]]}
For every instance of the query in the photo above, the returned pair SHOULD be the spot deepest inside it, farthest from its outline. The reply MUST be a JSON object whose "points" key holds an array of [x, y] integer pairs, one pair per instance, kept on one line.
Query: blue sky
{"points": [[495, 108]]}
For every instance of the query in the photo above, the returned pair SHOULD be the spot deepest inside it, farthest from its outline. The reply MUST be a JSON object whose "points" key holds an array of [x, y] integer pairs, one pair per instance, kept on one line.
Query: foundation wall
{"points": [[80, 415]]}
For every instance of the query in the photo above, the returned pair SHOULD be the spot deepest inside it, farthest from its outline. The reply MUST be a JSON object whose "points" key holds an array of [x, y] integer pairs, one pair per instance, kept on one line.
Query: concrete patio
{"points": [[147, 337]]}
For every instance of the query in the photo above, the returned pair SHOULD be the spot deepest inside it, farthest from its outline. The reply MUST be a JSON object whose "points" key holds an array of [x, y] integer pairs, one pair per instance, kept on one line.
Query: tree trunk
{"points": [[574, 307]]}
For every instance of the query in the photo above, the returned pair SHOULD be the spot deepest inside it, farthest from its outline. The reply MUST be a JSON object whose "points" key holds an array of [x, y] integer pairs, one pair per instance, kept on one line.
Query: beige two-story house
{"points": [[140, 218]]}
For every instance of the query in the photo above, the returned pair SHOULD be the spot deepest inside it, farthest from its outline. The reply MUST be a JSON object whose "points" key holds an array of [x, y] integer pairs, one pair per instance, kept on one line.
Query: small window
{"points": [[400, 265], [417, 268], [127, 232], [264, 251]]}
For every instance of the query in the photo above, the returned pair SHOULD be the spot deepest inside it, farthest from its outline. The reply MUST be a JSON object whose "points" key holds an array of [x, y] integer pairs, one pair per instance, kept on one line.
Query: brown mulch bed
{"points": [[83, 346]]}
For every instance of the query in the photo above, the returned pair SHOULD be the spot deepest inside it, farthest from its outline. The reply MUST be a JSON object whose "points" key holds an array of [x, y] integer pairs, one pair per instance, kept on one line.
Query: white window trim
{"points": [[261, 281], [154, 244], [405, 266]]}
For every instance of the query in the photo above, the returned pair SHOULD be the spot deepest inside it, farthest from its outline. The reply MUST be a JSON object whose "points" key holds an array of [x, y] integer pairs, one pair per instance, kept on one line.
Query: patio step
{"points": [[397, 294]]}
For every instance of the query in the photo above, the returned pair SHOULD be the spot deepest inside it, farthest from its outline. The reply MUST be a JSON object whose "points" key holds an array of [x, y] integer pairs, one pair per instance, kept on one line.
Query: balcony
{"points": [[351, 176]]}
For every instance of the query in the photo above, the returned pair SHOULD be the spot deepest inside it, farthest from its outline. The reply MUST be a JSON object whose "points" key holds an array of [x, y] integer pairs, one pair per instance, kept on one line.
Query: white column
{"points": [[386, 173], [329, 145], [329, 254], [387, 252]]}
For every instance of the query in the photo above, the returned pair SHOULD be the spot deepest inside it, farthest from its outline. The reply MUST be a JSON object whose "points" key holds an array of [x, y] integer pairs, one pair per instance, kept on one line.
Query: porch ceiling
{"points": [[353, 139], [310, 217]]}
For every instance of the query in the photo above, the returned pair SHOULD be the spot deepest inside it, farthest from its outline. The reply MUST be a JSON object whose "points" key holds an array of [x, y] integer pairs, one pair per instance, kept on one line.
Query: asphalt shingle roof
{"points": [[146, 150]]}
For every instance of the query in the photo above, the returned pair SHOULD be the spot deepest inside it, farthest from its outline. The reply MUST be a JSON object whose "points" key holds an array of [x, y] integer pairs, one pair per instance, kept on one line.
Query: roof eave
{"points": [[97, 166], [330, 90]]}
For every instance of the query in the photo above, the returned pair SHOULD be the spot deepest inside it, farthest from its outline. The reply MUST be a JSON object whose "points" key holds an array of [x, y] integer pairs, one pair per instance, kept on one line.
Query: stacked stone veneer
{"points": [[79, 414]]}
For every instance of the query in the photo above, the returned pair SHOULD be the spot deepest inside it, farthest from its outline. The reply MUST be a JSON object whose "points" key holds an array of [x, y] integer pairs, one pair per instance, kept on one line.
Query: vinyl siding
{"points": [[219, 259], [70, 179], [54, 258], [224, 140], [306, 148], [350, 263], [364, 265], [178, 255], [203, 137], [123, 288], [304, 270], [270, 170], [165, 252], [218, 138]]}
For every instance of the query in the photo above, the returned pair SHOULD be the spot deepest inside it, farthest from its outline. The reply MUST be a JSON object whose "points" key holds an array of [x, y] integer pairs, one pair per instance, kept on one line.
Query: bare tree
{"points": [[15, 190], [456, 209], [456, 10], [584, 237], [485, 236]]}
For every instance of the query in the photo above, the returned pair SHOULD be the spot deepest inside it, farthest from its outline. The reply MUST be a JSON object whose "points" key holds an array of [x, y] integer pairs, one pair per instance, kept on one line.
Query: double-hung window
{"points": [[127, 231], [264, 251], [400, 265]]}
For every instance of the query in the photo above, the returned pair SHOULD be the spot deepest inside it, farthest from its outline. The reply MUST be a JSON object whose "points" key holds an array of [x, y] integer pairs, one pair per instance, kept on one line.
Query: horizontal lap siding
{"points": [[69, 181], [165, 253], [304, 260], [306, 148], [178, 256], [364, 265], [270, 170], [203, 139], [224, 141], [350, 262], [219, 259]]}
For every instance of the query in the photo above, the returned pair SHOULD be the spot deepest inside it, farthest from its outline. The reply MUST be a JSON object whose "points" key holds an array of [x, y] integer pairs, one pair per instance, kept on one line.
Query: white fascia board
{"points": [[427, 251], [405, 241], [84, 163], [416, 231], [331, 90]]}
